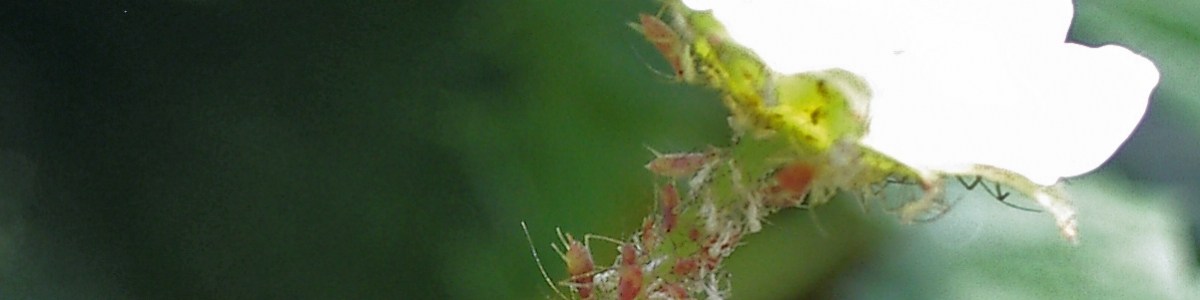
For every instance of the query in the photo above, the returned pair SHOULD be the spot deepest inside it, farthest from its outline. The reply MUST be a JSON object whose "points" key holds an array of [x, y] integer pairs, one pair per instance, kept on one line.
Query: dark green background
{"points": [[381, 149]]}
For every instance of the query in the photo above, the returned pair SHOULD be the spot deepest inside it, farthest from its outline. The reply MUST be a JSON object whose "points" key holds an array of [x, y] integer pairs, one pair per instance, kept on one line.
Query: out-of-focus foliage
{"points": [[319, 149], [1133, 249]]}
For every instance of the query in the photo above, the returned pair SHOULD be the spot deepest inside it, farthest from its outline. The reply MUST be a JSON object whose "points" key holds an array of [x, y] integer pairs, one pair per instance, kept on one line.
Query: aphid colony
{"points": [[796, 144]]}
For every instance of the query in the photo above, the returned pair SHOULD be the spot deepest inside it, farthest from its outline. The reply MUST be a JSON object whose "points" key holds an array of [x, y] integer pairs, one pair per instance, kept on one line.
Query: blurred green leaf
{"points": [[1131, 248]]}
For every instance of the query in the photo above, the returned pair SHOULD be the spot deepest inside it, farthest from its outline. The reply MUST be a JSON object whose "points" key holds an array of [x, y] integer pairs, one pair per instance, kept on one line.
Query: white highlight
{"points": [[960, 82]]}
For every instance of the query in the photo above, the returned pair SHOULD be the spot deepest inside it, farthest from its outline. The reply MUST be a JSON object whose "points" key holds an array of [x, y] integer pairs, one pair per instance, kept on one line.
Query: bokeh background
{"points": [[389, 149]]}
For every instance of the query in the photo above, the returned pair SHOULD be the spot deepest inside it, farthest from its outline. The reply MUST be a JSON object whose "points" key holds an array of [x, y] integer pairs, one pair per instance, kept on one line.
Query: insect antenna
{"points": [[588, 237], [890, 180], [997, 194], [646, 62], [541, 267]]}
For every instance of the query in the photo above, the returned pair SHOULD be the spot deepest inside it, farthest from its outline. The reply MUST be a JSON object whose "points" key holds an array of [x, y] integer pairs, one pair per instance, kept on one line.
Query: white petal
{"points": [[799, 36], [794, 36], [1009, 21], [1046, 114]]}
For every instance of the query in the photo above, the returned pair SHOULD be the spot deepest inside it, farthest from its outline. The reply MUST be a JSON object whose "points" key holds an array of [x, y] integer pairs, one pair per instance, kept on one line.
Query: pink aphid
{"points": [[676, 291], [579, 265], [665, 40], [670, 205], [686, 267], [649, 235], [630, 284], [676, 165], [791, 183]]}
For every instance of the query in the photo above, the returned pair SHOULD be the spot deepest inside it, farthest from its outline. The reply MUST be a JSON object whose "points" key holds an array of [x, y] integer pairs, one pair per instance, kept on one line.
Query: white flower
{"points": [[960, 82]]}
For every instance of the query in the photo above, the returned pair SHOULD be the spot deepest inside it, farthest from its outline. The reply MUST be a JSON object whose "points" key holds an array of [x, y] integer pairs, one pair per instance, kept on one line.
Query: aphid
{"points": [[685, 267], [670, 204], [649, 235], [667, 42], [630, 272], [677, 165], [579, 264], [791, 185], [676, 291]]}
